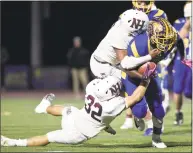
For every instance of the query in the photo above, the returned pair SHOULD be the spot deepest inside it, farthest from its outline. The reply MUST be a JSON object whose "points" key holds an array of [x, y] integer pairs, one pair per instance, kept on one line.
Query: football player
{"points": [[152, 11], [103, 103], [185, 32], [112, 50], [181, 74], [160, 35], [149, 8]]}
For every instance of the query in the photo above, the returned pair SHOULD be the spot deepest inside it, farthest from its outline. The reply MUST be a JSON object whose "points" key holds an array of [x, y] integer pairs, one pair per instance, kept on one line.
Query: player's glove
{"points": [[149, 72], [110, 130], [187, 63], [158, 58]]}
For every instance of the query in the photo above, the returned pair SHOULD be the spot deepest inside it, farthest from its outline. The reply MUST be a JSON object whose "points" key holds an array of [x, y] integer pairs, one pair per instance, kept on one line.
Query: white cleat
{"points": [[158, 144], [46, 101], [4, 141], [127, 125]]}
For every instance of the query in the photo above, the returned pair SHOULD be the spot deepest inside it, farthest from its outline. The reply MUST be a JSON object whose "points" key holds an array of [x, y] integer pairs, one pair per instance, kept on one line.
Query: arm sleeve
{"points": [[130, 62]]}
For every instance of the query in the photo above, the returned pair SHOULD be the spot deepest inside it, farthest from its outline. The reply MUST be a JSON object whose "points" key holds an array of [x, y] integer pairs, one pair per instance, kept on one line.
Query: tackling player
{"points": [[103, 103], [112, 50], [152, 11], [160, 35]]}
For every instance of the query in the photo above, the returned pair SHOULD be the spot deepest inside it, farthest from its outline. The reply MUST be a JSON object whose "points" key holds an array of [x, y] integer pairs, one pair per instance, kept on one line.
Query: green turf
{"points": [[18, 120]]}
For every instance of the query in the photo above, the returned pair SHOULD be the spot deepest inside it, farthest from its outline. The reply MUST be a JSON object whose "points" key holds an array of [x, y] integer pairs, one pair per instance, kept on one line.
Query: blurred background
{"points": [[46, 45]]}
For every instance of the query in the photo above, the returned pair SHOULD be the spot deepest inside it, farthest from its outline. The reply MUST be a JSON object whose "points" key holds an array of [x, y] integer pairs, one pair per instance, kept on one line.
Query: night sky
{"points": [[90, 20]]}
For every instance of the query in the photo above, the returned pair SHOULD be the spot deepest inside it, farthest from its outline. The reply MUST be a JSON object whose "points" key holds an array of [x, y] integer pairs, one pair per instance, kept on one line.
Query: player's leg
{"points": [[148, 117], [45, 106], [166, 100], [58, 136], [154, 99], [128, 123], [178, 87], [55, 110], [69, 134], [166, 75], [34, 141], [149, 124], [165, 85], [188, 83], [98, 69]]}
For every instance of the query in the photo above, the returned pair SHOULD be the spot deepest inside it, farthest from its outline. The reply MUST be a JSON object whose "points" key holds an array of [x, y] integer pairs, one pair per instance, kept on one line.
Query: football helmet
{"points": [[134, 22], [108, 88], [143, 5], [187, 9], [161, 33]]}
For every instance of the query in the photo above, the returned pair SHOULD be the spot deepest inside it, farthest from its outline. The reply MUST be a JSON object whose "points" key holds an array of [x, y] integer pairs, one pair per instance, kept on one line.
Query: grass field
{"points": [[18, 120]]}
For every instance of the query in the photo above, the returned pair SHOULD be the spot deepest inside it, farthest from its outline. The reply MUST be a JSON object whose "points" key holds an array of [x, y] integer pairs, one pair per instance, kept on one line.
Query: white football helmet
{"points": [[187, 10], [108, 88], [134, 21], [91, 86]]}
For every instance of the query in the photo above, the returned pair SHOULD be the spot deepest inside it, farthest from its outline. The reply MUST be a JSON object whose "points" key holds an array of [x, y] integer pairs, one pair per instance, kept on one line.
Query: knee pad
{"points": [[158, 110], [157, 125], [157, 122], [139, 111]]}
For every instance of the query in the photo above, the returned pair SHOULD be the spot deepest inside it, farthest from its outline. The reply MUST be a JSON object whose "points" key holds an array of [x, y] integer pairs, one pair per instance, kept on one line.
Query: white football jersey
{"points": [[117, 38], [97, 115], [121, 33]]}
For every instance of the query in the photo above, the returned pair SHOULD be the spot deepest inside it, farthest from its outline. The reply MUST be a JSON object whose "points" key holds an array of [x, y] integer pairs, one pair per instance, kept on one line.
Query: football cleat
{"points": [[6, 141], [46, 101], [139, 123], [2, 141], [179, 119], [158, 144], [128, 124]]}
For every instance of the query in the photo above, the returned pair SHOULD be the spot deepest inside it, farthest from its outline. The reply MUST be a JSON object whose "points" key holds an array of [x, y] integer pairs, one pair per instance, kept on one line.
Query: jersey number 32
{"points": [[95, 114]]}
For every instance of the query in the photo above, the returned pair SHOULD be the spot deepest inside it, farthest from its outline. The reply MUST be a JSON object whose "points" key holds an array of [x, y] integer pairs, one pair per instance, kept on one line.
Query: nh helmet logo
{"points": [[115, 88], [137, 24]]}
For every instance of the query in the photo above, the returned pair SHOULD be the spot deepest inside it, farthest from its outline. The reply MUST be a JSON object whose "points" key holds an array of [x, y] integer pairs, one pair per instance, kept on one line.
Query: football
{"points": [[142, 68]]}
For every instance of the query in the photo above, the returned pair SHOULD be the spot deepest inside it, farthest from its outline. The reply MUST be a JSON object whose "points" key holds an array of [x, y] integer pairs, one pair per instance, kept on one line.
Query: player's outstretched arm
{"points": [[185, 29]]}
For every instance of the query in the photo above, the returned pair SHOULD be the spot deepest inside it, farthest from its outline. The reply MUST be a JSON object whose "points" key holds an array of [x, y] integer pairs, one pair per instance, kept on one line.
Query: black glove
{"points": [[110, 130]]}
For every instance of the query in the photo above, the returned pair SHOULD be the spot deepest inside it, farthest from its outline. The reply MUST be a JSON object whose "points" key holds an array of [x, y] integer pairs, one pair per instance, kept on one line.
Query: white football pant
{"points": [[102, 70], [68, 134]]}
